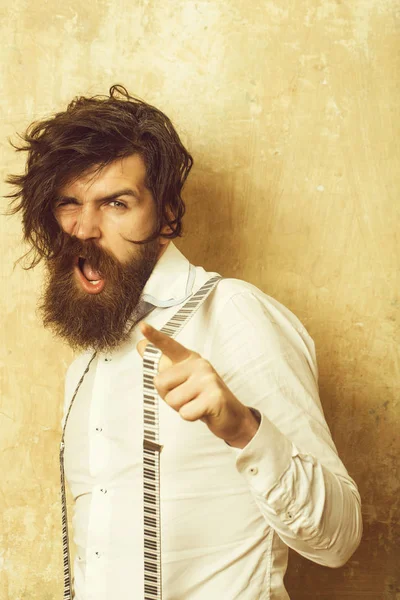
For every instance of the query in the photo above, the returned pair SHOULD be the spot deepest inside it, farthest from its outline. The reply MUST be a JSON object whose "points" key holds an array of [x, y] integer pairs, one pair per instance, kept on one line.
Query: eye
{"points": [[64, 204], [117, 204]]}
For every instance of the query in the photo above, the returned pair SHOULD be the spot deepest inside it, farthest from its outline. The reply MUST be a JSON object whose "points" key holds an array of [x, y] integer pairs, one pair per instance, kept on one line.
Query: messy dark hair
{"points": [[93, 132]]}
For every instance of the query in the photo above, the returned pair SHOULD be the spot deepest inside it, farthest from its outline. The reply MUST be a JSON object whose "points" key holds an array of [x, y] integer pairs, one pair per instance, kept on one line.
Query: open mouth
{"points": [[87, 270], [90, 279]]}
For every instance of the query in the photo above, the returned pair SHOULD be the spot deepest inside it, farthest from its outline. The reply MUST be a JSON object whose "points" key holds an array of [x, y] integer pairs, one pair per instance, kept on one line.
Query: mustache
{"points": [[73, 248]]}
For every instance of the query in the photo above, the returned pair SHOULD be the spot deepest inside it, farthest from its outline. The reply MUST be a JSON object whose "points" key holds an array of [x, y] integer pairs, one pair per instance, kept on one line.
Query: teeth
{"points": [[94, 282]]}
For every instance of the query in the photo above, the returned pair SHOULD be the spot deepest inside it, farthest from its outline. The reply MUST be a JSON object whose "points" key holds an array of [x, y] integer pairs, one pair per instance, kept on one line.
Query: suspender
{"points": [[152, 448], [67, 562], [151, 453]]}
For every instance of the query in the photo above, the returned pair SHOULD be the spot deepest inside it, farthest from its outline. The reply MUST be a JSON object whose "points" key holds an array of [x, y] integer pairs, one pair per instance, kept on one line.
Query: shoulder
{"points": [[74, 373], [237, 298], [76, 367], [242, 315]]}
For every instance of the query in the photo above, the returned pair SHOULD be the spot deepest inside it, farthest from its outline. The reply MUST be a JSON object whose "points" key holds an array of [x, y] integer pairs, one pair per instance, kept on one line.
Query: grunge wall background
{"points": [[291, 110]]}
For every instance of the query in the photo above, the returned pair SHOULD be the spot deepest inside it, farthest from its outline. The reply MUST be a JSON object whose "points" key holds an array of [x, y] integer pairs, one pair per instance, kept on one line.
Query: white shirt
{"points": [[227, 515]]}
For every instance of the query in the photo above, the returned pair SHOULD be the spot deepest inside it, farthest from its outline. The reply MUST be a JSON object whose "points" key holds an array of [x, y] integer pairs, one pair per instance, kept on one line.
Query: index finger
{"points": [[168, 346]]}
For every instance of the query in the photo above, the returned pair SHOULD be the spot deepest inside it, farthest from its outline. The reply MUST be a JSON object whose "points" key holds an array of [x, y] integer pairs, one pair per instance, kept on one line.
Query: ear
{"points": [[166, 229], [162, 241]]}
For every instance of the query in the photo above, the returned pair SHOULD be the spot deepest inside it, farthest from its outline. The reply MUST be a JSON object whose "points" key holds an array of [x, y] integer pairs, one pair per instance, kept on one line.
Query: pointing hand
{"points": [[192, 387]]}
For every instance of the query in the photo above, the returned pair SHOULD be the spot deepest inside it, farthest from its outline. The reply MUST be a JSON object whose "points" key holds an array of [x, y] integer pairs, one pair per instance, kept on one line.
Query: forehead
{"points": [[124, 172]]}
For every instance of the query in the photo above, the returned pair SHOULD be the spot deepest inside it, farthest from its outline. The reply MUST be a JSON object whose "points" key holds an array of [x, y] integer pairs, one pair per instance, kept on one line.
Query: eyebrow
{"points": [[113, 196]]}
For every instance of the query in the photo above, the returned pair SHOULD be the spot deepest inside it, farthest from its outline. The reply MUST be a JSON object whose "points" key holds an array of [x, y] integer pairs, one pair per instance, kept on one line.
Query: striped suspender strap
{"points": [[152, 448], [66, 558]]}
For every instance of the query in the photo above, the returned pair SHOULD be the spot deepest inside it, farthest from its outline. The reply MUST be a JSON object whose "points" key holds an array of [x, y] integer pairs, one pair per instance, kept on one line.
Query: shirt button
{"points": [[98, 554], [103, 490], [289, 515], [107, 360], [253, 470], [99, 429]]}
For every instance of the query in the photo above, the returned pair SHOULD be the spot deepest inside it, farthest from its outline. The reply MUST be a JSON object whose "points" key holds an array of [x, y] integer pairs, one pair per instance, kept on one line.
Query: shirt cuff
{"points": [[265, 458]]}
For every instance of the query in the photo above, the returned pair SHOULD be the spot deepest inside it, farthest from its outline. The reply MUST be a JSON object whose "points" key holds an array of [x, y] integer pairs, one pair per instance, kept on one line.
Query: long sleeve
{"points": [[298, 481]]}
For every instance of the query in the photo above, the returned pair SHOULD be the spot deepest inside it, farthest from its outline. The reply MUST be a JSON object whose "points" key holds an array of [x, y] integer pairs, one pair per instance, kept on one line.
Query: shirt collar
{"points": [[171, 281]]}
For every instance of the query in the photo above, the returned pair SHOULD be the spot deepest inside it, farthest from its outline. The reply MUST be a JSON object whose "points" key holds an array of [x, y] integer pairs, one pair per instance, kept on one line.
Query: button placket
{"points": [[100, 508], [96, 576], [98, 538], [99, 445]]}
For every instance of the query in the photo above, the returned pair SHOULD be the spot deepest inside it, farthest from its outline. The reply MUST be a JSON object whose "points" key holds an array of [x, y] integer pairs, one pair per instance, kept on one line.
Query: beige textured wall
{"points": [[291, 112]]}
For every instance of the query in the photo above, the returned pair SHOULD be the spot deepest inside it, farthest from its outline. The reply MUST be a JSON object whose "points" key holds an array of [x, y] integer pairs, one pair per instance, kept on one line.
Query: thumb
{"points": [[141, 346]]}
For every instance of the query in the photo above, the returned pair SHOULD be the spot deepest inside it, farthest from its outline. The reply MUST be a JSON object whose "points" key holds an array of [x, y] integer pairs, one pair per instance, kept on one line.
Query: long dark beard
{"points": [[96, 321]]}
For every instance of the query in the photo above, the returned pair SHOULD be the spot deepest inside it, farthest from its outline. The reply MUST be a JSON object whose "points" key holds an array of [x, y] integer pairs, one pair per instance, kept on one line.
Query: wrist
{"points": [[248, 430]]}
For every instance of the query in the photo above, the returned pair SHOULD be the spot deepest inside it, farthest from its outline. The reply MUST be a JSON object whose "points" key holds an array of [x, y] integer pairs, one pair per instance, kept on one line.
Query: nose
{"points": [[87, 224]]}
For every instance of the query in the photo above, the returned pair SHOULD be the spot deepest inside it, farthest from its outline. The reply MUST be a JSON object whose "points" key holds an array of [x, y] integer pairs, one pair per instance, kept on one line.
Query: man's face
{"points": [[95, 283], [111, 208]]}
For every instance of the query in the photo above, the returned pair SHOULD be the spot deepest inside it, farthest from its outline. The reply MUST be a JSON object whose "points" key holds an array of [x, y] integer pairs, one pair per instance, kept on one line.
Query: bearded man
{"points": [[248, 466]]}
